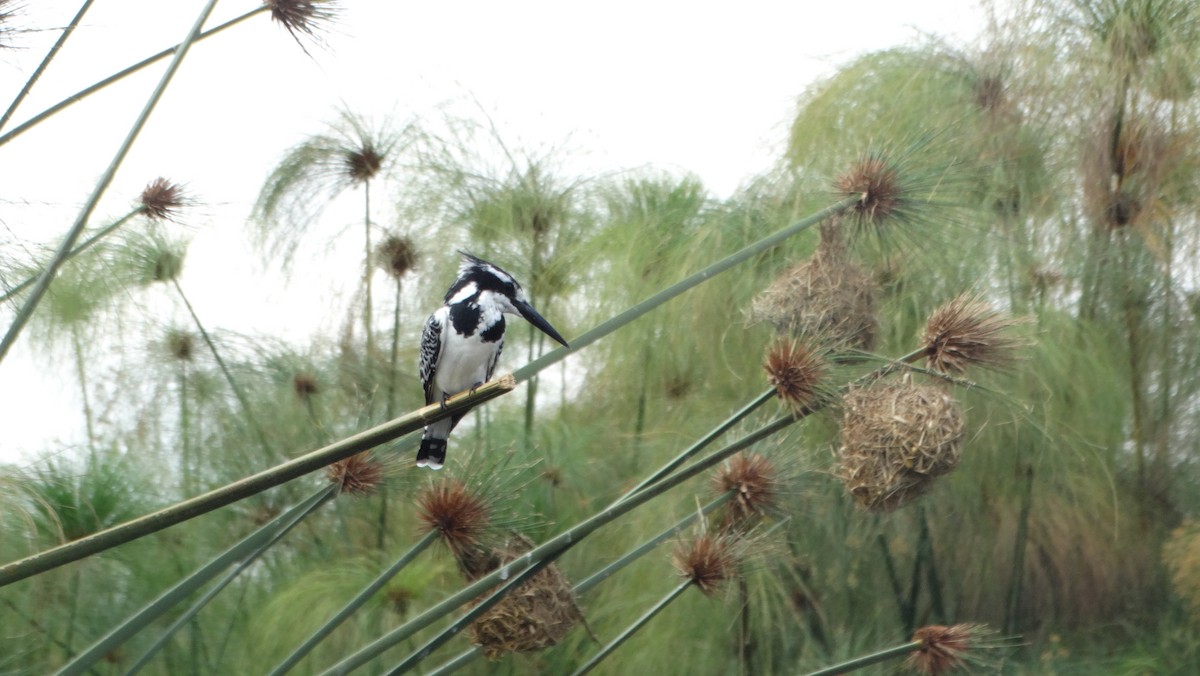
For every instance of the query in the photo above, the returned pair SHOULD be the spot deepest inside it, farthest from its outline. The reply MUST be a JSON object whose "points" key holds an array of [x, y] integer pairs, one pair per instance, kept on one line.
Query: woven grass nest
{"points": [[828, 297], [532, 617], [897, 437]]}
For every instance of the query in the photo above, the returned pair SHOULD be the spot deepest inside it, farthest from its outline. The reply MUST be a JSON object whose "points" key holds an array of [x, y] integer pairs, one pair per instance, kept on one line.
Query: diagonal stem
{"points": [[295, 517], [633, 628], [37, 73], [867, 660], [93, 88], [237, 391], [704, 441], [183, 588], [354, 604], [251, 485], [87, 244]]}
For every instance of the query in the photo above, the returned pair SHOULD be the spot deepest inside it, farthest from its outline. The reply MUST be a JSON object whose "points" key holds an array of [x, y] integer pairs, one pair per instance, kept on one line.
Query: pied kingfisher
{"points": [[462, 341]]}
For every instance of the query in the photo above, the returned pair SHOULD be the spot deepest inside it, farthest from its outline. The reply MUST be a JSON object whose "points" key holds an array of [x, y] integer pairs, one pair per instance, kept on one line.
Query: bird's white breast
{"points": [[465, 359]]}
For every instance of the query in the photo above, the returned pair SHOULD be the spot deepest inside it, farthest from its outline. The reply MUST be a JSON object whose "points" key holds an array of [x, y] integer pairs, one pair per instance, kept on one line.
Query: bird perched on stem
{"points": [[462, 341]]}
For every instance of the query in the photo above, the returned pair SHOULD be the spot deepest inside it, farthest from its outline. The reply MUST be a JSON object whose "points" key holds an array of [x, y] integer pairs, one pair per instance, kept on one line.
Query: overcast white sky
{"points": [[702, 87]]}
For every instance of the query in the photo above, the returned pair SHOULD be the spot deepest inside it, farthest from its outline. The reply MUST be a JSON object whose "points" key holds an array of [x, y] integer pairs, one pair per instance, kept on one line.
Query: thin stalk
{"points": [[639, 419], [633, 628], [68, 242], [367, 269], [704, 441], [867, 660], [72, 613], [185, 426], [355, 603], [87, 244], [909, 617], [745, 646], [32, 622], [932, 579], [393, 374], [393, 371], [184, 588], [37, 73], [1017, 576], [458, 662], [237, 391], [613, 323], [893, 575], [121, 74], [251, 485], [603, 574], [550, 550], [224, 582], [81, 373]]}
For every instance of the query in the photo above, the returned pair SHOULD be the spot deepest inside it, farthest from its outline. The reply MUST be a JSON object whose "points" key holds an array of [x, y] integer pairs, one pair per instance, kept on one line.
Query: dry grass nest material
{"points": [[827, 297], [532, 617], [896, 438]]}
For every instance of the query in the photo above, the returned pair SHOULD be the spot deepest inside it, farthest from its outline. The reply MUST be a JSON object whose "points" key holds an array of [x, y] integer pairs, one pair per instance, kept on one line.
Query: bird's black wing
{"points": [[495, 358], [431, 348]]}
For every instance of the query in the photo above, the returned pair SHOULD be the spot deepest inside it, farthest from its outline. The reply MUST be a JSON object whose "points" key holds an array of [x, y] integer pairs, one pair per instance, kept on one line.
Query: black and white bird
{"points": [[463, 339]]}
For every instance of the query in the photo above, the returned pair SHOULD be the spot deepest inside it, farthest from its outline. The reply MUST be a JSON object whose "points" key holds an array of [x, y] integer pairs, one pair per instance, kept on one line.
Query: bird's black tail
{"points": [[432, 453]]}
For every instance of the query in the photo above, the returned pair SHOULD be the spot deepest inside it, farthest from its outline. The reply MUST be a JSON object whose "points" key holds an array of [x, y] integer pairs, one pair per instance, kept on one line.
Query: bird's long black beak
{"points": [[531, 315]]}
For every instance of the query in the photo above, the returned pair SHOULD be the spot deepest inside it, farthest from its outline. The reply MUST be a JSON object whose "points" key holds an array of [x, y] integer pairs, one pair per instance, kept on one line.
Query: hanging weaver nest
{"points": [[827, 297], [532, 617], [896, 438]]}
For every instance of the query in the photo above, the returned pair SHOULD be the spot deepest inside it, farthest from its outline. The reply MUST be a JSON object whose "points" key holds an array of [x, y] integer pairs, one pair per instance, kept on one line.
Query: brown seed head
{"points": [[302, 18], [755, 483], [990, 94], [874, 180], [167, 265], [967, 331], [795, 370], [180, 344], [459, 514], [399, 598], [397, 255], [358, 475], [305, 385], [162, 199], [362, 164], [944, 648], [709, 561]]}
